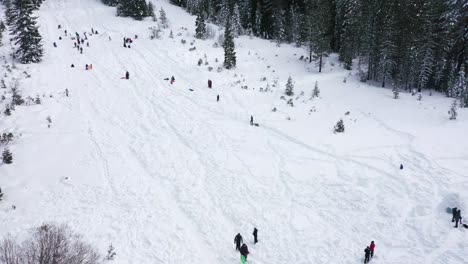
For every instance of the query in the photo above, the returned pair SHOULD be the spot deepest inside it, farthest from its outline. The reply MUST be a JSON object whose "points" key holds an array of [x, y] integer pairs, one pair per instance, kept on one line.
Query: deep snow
{"points": [[169, 175]]}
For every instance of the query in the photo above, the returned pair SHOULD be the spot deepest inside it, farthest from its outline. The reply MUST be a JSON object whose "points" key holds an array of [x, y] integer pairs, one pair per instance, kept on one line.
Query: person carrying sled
{"points": [[255, 235], [244, 251], [458, 218], [366, 255], [454, 213], [251, 120], [127, 75], [371, 248], [238, 241]]}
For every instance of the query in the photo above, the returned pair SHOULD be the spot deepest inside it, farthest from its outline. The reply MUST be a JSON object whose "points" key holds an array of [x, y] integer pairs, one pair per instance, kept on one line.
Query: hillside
{"points": [[167, 174]]}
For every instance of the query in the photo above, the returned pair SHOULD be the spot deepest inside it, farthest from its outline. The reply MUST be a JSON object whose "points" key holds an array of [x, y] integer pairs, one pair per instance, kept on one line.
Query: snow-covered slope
{"points": [[169, 175]]}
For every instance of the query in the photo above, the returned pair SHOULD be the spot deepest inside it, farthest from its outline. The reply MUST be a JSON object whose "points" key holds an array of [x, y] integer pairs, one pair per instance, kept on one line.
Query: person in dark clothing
{"points": [[244, 250], [86, 67], [454, 213], [401, 166], [125, 45], [73, 66], [127, 75], [87, 44], [82, 41], [60, 38], [55, 44], [255, 235], [172, 79], [136, 36], [371, 248], [65, 32], [366, 255], [81, 50], [209, 83], [238, 241], [251, 120], [217, 98], [458, 218], [74, 44]]}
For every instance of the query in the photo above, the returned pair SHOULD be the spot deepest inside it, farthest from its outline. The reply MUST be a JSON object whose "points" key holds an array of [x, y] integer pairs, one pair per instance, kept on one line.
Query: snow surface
{"points": [[169, 175]]}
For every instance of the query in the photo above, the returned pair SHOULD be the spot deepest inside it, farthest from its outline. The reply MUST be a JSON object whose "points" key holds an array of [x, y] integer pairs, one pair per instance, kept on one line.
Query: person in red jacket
{"points": [[371, 248]]}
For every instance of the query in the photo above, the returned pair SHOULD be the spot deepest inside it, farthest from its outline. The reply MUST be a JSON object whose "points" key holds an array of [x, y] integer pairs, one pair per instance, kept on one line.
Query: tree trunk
{"points": [[320, 63]]}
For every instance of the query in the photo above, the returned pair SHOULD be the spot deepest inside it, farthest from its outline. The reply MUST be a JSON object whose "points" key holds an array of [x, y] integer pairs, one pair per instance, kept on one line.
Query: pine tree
{"points": [[229, 48], [151, 11], [7, 157], [164, 22], [316, 91], [27, 37], [137, 9], [289, 91], [453, 110], [395, 91], [461, 87], [200, 26], [236, 25]]}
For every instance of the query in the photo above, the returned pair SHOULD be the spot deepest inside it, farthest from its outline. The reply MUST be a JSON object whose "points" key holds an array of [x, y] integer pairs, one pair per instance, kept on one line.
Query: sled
{"points": [[190, 90], [166, 79], [448, 210], [465, 226], [256, 124]]}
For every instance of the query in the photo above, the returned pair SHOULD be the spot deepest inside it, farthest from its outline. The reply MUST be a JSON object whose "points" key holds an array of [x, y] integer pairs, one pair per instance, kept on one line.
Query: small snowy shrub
{"points": [[200, 62], [110, 253], [7, 111], [49, 121], [183, 41], [290, 102], [6, 138], [37, 100], [7, 157], [210, 32], [339, 127], [192, 48], [210, 68], [274, 109], [419, 97]]}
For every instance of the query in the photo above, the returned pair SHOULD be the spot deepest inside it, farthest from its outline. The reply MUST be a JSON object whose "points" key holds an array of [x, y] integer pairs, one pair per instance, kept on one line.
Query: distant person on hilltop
{"points": [[127, 75]]}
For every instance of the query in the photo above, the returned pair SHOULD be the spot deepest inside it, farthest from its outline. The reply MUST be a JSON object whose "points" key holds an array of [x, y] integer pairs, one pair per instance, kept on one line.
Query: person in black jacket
{"points": [[454, 213], [255, 235], [458, 218], [238, 241], [244, 250], [366, 255], [127, 75]]}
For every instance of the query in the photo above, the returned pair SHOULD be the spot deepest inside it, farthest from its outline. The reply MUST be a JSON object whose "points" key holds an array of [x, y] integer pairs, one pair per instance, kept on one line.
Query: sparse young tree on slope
{"points": [[164, 22], [395, 91], [453, 110], [316, 91], [27, 37], [7, 157], [200, 26], [229, 48], [461, 87], [289, 91]]}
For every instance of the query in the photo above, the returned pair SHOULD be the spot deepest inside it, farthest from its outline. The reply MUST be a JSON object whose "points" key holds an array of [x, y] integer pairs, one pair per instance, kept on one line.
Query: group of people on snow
{"points": [[243, 249]]}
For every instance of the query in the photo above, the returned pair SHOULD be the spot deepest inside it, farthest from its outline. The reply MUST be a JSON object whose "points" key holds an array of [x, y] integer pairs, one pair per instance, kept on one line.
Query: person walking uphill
{"points": [[255, 235], [458, 218], [366, 254], [371, 248], [238, 241], [210, 83], [244, 251], [454, 213]]}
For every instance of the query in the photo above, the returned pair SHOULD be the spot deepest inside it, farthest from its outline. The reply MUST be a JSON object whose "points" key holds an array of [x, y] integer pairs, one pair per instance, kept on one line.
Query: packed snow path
{"points": [[169, 175]]}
